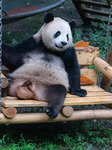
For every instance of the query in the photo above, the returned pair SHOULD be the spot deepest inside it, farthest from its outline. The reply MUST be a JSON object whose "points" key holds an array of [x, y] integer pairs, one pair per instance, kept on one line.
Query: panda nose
{"points": [[64, 43]]}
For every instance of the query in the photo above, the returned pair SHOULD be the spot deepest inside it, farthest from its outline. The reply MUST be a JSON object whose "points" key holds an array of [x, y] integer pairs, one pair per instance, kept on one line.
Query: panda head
{"points": [[56, 33]]}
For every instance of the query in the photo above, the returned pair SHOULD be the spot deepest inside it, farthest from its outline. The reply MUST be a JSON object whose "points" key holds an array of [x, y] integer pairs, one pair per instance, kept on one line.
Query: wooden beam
{"points": [[81, 13], [44, 118], [106, 82], [96, 19], [96, 12], [93, 3], [103, 66], [85, 55]]}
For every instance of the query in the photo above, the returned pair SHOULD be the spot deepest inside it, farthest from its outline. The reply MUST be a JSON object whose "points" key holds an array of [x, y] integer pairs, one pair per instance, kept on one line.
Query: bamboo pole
{"points": [[103, 66], [44, 118], [105, 82]]}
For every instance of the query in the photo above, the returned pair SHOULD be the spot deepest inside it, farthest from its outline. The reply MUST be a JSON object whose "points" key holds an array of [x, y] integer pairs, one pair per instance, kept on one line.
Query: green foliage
{"points": [[96, 36], [76, 136]]}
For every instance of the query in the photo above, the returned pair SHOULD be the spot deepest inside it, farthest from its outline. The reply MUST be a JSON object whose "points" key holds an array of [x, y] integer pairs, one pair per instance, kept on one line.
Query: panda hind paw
{"points": [[51, 112]]}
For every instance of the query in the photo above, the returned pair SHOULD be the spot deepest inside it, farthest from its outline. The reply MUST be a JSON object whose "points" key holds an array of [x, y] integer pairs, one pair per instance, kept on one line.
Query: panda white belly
{"points": [[44, 69]]}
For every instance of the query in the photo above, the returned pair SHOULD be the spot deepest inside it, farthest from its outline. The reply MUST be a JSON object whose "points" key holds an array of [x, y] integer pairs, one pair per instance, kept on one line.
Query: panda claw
{"points": [[51, 113]]}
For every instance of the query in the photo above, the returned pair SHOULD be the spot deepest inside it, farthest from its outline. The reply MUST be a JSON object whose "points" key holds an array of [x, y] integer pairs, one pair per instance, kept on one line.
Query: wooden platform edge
{"points": [[44, 118]]}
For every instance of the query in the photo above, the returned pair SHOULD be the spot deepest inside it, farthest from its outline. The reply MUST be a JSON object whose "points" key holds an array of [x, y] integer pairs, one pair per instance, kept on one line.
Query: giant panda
{"points": [[45, 65]]}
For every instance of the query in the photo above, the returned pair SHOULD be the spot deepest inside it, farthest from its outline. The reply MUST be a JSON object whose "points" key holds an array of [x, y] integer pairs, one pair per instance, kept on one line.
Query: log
{"points": [[9, 112], [103, 66], [4, 81], [67, 111], [106, 82], [44, 118]]}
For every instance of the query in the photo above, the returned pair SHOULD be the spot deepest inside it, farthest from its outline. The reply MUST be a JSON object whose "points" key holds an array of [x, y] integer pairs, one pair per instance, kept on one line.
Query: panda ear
{"points": [[48, 18], [72, 25]]}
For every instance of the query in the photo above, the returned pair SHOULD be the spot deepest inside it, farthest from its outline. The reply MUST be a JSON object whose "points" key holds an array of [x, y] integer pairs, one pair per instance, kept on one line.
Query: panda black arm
{"points": [[26, 45], [12, 55], [73, 69]]}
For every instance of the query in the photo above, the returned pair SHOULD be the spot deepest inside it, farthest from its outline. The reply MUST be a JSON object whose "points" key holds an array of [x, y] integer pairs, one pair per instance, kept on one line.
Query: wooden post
{"points": [[44, 118], [4, 81], [103, 66], [82, 14], [9, 112], [106, 82]]}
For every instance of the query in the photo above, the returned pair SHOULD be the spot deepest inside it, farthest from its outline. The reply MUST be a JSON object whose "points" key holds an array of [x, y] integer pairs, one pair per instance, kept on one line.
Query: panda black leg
{"points": [[55, 97]]}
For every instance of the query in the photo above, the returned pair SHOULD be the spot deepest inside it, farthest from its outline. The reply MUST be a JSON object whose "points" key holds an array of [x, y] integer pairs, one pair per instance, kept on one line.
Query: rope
{"points": [[0, 49], [107, 32]]}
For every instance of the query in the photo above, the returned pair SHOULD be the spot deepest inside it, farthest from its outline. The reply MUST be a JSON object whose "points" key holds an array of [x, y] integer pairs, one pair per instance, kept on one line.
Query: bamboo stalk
{"points": [[44, 118], [103, 66]]}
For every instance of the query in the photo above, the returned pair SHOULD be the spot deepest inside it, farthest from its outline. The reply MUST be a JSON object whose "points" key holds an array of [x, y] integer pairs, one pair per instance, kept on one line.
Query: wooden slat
{"points": [[91, 94], [68, 102], [97, 96], [91, 74], [96, 12], [98, 4], [98, 19], [85, 55]]}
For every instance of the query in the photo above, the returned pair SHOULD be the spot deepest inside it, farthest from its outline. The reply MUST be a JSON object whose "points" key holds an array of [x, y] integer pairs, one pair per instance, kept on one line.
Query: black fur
{"points": [[13, 55], [72, 24], [55, 95], [48, 18]]}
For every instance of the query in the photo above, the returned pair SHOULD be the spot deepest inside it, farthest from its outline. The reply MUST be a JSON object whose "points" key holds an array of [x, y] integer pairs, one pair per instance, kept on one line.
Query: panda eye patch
{"points": [[57, 34], [67, 37]]}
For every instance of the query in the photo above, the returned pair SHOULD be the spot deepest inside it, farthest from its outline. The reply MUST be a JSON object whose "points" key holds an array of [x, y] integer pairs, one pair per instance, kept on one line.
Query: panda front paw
{"points": [[80, 92], [51, 112]]}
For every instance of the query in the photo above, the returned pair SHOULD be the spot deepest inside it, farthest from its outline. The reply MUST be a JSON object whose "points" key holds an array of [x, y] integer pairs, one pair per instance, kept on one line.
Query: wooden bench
{"points": [[95, 95]]}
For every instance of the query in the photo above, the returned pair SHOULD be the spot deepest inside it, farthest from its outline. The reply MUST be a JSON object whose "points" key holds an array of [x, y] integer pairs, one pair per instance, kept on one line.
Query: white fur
{"points": [[43, 72], [51, 28]]}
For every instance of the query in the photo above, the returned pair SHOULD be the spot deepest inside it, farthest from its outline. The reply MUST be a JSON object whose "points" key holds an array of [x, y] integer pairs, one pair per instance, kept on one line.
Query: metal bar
{"points": [[31, 13]]}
